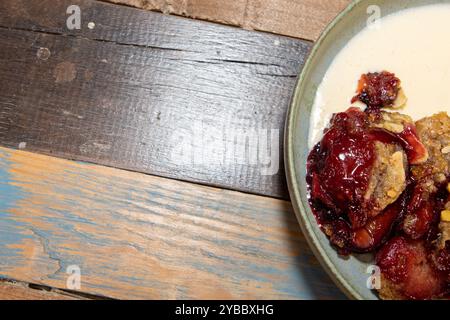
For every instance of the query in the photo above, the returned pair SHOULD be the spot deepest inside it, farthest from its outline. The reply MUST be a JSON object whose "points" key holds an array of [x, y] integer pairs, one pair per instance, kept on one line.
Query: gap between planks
{"points": [[18, 290]]}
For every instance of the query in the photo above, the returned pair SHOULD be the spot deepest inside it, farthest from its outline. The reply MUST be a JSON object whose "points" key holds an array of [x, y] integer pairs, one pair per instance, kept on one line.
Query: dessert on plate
{"points": [[379, 182]]}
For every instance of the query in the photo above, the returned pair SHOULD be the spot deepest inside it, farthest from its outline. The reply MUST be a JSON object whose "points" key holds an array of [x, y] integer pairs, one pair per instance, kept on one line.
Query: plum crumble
{"points": [[378, 182]]}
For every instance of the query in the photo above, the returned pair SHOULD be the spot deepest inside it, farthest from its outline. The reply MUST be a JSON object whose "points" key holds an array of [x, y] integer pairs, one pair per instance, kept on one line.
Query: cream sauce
{"points": [[413, 43]]}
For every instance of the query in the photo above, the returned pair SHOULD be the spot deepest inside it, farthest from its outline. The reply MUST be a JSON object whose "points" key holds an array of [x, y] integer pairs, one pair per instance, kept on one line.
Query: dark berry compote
{"points": [[378, 90]]}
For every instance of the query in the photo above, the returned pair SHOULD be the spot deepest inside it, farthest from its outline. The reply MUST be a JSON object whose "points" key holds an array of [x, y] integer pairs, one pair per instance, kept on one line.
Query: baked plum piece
{"points": [[357, 174], [380, 90], [418, 267], [408, 271]]}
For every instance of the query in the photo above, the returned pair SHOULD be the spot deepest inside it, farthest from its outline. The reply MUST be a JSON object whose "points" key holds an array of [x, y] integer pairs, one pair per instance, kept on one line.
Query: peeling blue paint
{"points": [[11, 231]]}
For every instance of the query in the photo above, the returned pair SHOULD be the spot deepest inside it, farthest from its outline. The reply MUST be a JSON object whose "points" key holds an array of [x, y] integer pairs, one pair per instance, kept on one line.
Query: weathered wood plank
{"points": [[138, 236], [304, 19], [296, 18], [147, 92], [12, 290]]}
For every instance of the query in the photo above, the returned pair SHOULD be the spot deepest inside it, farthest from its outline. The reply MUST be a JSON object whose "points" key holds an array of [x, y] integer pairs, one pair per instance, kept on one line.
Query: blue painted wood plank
{"points": [[145, 237]]}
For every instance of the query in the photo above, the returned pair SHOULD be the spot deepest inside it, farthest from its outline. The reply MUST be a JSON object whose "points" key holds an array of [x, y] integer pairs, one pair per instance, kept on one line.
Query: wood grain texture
{"points": [[138, 236], [147, 92], [226, 12], [12, 290], [303, 19]]}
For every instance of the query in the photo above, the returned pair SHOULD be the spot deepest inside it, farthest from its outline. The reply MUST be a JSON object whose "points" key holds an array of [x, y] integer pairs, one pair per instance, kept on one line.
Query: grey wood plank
{"points": [[147, 92]]}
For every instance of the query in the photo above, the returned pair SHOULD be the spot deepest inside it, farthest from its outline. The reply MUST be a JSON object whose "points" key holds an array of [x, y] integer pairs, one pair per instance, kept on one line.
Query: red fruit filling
{"points": [[420, 213], [341, 164], [442, 258], [408, 139], [378, 228], [339, 170], [406, 263], [377, 90]]}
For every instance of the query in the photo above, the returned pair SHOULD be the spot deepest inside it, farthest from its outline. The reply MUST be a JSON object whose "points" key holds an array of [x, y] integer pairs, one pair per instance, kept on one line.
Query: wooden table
{"points": [[120, 147]]}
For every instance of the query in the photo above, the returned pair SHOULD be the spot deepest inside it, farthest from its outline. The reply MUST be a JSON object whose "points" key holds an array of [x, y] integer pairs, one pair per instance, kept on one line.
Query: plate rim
{"points": [[294, 192]]}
